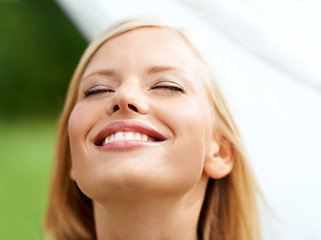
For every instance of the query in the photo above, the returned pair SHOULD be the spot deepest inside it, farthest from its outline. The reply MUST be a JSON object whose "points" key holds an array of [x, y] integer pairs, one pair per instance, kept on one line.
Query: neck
{"points": [[156, 219]]}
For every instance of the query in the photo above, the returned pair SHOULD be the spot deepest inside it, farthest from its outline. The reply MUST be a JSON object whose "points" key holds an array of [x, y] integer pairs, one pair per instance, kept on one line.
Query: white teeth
{"points": [[119, 136], [144, 138], [129, 136], [107, 140], [123, 136], [138, 136], [112, 138]]}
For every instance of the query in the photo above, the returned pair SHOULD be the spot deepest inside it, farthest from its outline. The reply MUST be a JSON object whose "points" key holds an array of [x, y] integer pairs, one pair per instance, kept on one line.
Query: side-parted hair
{"points": [[229, 211]]}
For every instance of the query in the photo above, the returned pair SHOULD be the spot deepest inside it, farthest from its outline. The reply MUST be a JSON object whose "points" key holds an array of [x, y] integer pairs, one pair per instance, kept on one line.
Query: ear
{"points": [[219, 160]]}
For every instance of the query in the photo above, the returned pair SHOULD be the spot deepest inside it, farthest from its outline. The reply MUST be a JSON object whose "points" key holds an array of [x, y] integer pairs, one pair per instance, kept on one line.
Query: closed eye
{"points": [[96, 91], [171, 87]]}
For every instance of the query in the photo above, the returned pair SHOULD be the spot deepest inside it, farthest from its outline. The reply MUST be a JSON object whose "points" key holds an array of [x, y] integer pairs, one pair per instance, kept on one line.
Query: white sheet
{"points": [[268, 58]]}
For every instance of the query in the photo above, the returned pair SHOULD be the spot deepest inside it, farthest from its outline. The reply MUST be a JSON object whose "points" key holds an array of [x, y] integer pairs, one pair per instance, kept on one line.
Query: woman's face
{"points": [[142, 125]]}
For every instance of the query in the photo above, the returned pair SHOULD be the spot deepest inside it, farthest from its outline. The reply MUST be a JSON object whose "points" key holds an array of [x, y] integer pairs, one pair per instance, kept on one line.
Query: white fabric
{"points": [[268, 58]]}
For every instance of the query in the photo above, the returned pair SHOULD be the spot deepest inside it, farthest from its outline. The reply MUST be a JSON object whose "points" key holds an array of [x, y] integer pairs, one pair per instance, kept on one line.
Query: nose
{"points": [[128, 98]]}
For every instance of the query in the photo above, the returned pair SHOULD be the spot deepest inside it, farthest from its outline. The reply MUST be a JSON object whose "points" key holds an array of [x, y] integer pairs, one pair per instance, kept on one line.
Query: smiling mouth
{"points": [[127, 131], [127, 136]]}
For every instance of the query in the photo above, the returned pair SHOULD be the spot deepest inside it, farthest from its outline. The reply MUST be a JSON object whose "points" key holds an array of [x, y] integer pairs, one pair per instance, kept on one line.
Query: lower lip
{"points": [[126, 145]]}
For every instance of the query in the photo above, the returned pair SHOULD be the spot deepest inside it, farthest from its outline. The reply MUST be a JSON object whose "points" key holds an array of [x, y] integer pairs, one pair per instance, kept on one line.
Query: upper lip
{"points": [[127, 126]]}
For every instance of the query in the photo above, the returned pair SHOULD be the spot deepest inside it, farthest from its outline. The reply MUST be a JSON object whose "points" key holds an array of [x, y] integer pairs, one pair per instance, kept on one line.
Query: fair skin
{"points": [[141, 137]]}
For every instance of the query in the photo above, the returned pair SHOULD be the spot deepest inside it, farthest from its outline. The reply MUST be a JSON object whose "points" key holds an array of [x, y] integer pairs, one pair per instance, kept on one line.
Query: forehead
{"points": [[152, 45]]}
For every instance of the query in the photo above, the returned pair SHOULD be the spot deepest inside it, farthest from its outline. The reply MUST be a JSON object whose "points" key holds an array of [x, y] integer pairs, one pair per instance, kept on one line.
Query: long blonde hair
{"points": [[229, 211]]}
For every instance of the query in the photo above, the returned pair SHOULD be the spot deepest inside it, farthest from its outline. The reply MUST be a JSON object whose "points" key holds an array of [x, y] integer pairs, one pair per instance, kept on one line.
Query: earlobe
{"points": [[220, 159]]}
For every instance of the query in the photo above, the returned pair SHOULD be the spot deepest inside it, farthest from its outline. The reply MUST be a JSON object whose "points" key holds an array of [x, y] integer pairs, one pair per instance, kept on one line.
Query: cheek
{"points": [[191, 132], [189, 121], [76, 126], [81, 121], [189, 124]]}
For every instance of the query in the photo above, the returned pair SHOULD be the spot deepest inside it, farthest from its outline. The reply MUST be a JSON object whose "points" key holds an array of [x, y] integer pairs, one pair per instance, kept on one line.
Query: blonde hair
{"points": [[229, 210]]}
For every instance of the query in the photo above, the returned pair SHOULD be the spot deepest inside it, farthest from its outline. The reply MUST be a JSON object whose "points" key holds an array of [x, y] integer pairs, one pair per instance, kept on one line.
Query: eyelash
{"points": [[169, 87], [90, 92]]}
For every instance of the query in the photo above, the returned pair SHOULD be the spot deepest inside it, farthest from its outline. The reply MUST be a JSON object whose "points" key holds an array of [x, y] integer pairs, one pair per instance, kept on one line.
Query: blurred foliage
{"points": [[39, 49], [25, 163]]}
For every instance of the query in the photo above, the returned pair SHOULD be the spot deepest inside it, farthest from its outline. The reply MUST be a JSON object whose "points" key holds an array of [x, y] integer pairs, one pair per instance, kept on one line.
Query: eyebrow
{"points": [[150, 70], [103, 72], [162, 68]]}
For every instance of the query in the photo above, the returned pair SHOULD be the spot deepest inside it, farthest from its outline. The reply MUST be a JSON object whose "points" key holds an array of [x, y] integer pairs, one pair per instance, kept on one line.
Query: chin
{"points": [[134, 184]]}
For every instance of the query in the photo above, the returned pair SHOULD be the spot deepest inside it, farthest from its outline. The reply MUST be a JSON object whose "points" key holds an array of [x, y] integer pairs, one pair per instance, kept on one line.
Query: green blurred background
{"points": [[39, 49]]}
